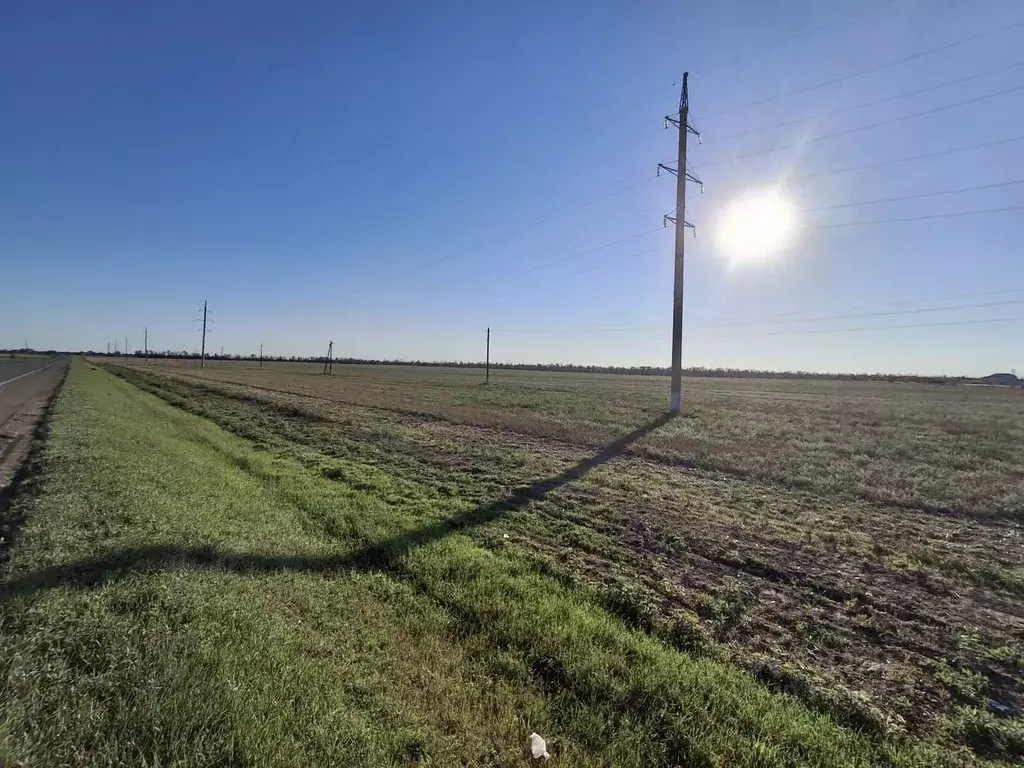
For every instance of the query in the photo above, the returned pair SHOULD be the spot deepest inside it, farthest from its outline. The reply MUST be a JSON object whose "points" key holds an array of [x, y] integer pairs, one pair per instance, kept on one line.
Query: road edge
{"points": [[11, 495]]}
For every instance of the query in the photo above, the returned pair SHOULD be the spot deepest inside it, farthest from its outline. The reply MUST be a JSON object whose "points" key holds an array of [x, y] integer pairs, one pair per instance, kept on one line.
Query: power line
{"points": [[593, 268], [734, 59], [867, 71], [790, 315], [954, 297], [571, 256], [786, 41], [563, 177], [558, 212], [954, 214], [578, 254], [918, 196], [866, 103], [805, 176], [554, 214], [897, 160], [528, 255], [611, 262], [786, 317], [651, 135], [645, 252], [894, 161], [800, 177], [823, 318], [879, 124], [542, 331], [883, 327], [937, 324], [860, 315]]}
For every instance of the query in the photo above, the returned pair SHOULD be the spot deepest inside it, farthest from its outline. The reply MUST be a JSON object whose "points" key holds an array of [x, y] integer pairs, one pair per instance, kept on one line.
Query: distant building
{"points": [[1002, 380]]}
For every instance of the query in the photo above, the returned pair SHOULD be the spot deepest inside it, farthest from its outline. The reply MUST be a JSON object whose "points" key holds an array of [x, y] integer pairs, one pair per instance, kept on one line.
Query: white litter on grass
{"points": [[505, 536], [539, 747]]}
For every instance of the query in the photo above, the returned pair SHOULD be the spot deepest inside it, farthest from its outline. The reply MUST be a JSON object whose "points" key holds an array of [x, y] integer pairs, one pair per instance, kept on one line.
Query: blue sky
{"points": [[398, 176]]}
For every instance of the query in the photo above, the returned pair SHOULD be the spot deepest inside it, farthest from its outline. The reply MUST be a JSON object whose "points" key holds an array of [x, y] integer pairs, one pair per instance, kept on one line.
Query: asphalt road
{"points": [[21, 367], [26, 385]]}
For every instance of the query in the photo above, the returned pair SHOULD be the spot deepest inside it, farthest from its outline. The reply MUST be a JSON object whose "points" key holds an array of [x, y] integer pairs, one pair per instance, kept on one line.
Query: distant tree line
{"points": [[636, 370]]}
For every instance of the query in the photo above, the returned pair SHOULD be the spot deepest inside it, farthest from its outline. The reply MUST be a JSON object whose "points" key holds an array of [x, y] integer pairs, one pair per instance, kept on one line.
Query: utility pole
{"points": [[126, 349], [329, 362], [108, 349], [202, 354], [682, 174], [261, 354], [145, 344], [488, 364]]}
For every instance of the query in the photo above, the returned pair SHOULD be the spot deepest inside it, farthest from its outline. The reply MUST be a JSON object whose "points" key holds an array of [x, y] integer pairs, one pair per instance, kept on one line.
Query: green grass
{"points": [[936, 448], [891, 619], [179, 597]]}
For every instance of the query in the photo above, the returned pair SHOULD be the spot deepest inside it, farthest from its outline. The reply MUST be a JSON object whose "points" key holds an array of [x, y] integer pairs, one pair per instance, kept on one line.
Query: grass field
{"points": [[402, 566]]}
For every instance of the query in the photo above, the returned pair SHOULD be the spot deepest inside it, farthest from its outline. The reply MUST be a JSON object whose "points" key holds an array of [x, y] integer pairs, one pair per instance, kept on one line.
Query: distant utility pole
{"points": [[261, 355], [487, 380], [108, 347], [126, 349], [145, 344], [222, 353], [682, 174], [329, 362], [202, 354]]}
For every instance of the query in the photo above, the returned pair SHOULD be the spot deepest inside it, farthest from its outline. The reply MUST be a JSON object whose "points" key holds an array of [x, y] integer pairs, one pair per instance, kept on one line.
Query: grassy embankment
{"points": [[177, 597]]}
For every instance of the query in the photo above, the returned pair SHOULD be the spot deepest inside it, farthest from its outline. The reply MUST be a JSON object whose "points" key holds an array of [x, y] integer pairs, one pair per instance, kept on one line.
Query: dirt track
{"points": [[26, 386]]}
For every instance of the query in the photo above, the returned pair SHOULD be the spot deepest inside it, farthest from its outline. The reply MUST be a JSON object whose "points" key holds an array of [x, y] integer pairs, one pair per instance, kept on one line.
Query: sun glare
{"points": [[756, 227]]}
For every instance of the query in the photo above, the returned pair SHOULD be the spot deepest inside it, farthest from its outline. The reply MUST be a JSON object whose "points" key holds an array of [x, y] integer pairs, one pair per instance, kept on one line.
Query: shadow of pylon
{"points": [[119, 564]]}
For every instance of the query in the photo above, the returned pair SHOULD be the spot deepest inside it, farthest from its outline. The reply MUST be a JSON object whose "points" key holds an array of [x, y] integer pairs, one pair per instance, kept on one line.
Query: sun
{"points": [[756, 226]]}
